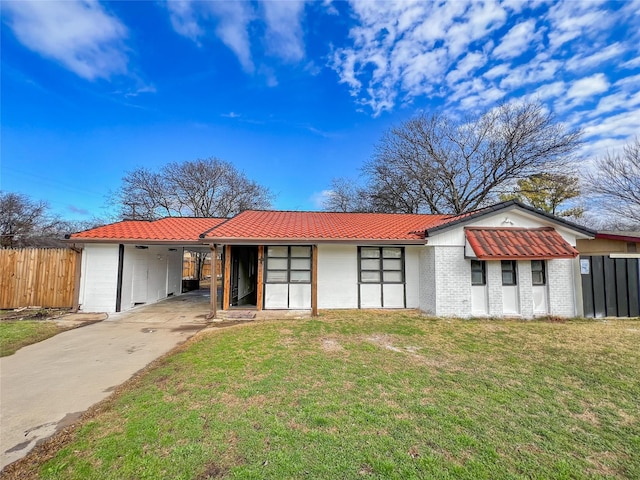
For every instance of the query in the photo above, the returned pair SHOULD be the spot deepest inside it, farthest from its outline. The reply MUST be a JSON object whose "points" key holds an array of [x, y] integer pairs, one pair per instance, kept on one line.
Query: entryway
{"points": [[244, 276]]}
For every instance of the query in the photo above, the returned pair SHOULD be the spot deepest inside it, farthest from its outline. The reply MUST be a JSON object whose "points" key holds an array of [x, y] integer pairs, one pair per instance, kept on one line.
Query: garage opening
{"points": [[244, 276]]}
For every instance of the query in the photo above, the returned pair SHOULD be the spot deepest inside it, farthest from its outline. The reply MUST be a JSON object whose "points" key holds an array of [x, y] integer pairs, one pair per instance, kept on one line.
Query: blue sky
{"points": [[293, 93]]}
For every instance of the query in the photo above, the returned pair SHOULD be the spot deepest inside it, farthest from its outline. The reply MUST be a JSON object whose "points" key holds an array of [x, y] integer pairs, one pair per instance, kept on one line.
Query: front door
{"points": [[244, 276]]}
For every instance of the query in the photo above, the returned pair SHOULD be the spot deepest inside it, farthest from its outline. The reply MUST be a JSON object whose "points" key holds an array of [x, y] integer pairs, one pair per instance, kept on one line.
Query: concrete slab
{"points": [[46, 386]]}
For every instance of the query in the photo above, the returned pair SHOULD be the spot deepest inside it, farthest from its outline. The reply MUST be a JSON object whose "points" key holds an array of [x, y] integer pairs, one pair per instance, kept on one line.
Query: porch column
{"points": [[260, 280], [226, 289], [213, 288], [314, 280]]}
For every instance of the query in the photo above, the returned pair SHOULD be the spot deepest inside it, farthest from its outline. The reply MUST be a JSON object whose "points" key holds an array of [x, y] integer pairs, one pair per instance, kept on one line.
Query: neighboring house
{"points": [[504, 260]]}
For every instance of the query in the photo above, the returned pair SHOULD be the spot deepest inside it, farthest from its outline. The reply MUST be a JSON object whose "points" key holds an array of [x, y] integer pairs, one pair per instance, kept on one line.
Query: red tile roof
{"points": [[178, 229], [253, 225], [518, 243]]}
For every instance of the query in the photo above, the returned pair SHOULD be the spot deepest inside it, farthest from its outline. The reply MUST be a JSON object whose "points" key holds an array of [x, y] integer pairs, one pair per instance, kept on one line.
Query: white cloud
{"points": [[319, 199], [235, 23], [284, 29], [517, 40], [588, 87], [184, 19], [468, 64], [574, 19], [233, 28], [409, 47], [583, 62], [79, 34]]}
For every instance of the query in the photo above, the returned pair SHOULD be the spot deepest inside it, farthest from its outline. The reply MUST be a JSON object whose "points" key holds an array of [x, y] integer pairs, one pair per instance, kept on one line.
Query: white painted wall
{"points": [[337, 276], [479, 300], [99, 278], [412, 274], [157, 278], [276, 296], [174, 271], [148, 275], [427, 283]]}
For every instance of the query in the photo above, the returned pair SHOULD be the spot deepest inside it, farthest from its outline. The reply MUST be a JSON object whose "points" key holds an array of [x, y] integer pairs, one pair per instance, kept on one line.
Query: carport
{"points": [[137, 262]]}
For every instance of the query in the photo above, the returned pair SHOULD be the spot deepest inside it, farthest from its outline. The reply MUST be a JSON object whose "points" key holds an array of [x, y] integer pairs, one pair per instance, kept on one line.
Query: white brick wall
{"points": [[453, 282], [494, 287], [525, 288], [560, 278]]}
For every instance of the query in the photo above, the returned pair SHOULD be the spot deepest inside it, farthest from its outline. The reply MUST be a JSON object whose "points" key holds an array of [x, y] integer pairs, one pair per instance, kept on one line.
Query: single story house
{"points": [[505, 260]]}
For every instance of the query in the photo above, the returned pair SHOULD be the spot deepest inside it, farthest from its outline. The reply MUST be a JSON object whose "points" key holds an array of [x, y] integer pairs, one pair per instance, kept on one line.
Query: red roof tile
{"points": [[170, 229], [299, 226], [518, 243]]}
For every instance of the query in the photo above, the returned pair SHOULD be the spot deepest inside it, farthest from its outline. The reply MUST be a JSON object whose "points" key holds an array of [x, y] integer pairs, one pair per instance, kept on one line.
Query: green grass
{"points": [[375, 395], [15, 334]]}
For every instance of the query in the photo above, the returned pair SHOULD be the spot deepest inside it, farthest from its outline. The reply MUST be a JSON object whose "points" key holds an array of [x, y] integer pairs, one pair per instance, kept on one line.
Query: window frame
{"points": [[289, 257], [513, 270], [482, 270], [381, 266], [542, 271]]}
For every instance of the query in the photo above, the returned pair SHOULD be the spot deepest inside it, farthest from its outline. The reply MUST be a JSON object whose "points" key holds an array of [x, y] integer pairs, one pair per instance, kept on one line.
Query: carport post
{"points": [[213, 288]]}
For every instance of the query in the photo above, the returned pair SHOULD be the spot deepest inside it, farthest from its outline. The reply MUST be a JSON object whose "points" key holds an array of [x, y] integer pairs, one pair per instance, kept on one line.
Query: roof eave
{"points": [[134, 241], [307, 241], [524, 257], [509, 204], [621, 238]]}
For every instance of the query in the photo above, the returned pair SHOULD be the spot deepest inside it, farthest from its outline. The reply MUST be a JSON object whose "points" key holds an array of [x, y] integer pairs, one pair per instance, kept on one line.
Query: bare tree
{"points": [[25, 222], [615, 182], [347, 196], [434, 164], [21, 219], [200, 188]]}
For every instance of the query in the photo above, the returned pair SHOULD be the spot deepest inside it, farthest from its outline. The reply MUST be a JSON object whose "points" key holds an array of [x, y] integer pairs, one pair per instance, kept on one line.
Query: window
{"points": [[288, 264], [478, 273], [381, 264], [509, 272], [538, 273]]}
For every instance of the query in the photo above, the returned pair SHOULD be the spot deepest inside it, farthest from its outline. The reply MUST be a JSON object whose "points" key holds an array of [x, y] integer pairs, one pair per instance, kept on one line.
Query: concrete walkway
{"points": [[46, 386]]}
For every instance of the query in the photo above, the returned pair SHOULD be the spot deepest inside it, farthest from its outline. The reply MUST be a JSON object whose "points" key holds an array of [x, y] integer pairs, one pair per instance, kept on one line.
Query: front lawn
{"points": [[371, 395], [15, 334]]}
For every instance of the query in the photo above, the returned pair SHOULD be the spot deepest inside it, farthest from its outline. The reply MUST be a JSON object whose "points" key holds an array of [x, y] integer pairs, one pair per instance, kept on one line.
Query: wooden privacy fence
{"points": [[44, 277]]}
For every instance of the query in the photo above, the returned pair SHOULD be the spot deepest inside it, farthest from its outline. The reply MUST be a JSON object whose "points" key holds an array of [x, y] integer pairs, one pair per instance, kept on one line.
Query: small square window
{"points": [[508, 272], [277, 252], [367, 252], [478, 273], [538, 273], [301, 252]]}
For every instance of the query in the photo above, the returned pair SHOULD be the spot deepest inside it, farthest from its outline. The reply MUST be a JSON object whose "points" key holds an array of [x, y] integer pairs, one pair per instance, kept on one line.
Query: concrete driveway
{"points": [[46, 386]]}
